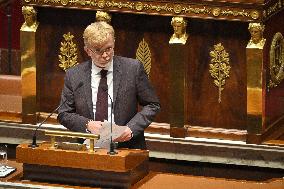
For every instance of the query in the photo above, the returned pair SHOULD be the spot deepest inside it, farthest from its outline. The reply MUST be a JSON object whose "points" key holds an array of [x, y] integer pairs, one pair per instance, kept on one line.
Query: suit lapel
{"points": [[87, 87], [116, 77]]}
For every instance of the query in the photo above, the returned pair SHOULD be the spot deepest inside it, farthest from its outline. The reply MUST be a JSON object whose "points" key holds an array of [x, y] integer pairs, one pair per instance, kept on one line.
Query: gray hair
{"points": [[97, 33]]}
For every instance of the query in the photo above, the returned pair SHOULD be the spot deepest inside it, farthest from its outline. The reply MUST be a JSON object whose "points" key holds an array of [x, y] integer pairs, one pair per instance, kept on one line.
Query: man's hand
{"points": [[94, 126], [125, 136]]}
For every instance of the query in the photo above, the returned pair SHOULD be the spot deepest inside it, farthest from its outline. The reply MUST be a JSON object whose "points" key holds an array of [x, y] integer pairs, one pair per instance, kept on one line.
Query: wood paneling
{"points": [[274, 98], [203, 106], [128, 36], [15, 67], [130, 30], [54, 23], [202, 99]]}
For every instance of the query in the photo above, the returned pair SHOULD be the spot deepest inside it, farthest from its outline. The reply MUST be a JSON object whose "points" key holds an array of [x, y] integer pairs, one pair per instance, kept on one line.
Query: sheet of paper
{"points": [[105, 133], [5, 171]]}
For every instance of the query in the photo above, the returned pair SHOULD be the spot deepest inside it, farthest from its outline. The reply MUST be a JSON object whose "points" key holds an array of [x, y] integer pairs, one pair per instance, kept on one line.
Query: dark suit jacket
{"points": [[130, 88]]}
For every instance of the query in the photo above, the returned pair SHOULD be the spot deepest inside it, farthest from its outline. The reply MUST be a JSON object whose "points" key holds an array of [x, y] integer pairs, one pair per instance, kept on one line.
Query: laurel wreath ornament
{"points": [[68, 52], [219, 67]]}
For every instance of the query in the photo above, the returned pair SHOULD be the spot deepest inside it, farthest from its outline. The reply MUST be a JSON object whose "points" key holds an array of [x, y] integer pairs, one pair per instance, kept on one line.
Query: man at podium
{"points": [[105, 87]]}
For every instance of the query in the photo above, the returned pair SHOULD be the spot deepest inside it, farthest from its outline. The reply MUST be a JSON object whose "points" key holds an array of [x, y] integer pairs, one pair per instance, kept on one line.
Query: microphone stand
{"points": [[34, 144], [111, 147]]}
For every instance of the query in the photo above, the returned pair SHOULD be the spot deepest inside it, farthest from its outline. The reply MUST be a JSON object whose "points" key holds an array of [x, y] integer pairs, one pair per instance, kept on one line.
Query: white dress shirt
{"points": [[95, 79]]}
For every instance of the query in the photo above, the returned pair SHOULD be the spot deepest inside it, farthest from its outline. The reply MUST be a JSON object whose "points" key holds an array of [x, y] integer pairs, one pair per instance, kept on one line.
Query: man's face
{"points": [[102, 54]]}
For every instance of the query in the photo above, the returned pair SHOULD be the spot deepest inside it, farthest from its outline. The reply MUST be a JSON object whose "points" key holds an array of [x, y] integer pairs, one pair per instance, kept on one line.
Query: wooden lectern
{"points": [[97, 168]]}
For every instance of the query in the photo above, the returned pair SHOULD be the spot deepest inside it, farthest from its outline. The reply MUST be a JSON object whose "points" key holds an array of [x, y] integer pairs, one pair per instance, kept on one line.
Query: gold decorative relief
{"points": [[273, 8], [219, 67], [216, 11], [64, 2], [276, 60], [257, 41], [177, 9], [179, 25], [161, 8], [143, 54], [103, 16], [254, 14], [68, 52], [30, 16], [101, 4]]}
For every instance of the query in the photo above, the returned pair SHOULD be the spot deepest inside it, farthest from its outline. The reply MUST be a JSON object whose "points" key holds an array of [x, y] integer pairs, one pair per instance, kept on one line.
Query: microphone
{"points": [[111, 147], [34, 144]]}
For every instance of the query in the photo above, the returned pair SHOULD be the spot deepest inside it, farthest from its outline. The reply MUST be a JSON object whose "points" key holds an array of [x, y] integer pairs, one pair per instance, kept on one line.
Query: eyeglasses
{"points": [[100, 52]]}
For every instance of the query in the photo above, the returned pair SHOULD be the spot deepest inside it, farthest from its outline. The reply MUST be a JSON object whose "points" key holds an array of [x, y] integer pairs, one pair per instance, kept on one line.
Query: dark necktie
{"points": [[102, 104]]}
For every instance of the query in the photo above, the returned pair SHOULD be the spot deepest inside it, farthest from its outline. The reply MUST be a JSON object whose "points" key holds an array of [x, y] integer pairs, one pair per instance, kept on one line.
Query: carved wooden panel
{"points": [[274, 101], [203, 106]]}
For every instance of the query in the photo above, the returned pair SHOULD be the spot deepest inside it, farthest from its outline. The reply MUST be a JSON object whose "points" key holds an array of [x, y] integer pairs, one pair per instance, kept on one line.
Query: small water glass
{"points": [[3, 157]]}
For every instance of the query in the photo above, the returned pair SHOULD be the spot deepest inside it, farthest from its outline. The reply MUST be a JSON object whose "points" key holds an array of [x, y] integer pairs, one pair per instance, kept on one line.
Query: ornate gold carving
{"points": [[64, 2], [254, 14], [276, 60], [180, 36], [30, 23], [235, 13], [68, 52], [158, 7], [216, 11], [220, 68], [103, 16], [257, 41], [101, 4], [272, 9], [143, 54], [139, 6], [177, 9]]}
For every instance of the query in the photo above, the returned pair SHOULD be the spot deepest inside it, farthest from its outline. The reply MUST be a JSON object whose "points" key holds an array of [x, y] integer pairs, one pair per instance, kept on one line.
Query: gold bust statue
{"points": [[179, 25], [30, 18], [103, 17], [257, 41]]}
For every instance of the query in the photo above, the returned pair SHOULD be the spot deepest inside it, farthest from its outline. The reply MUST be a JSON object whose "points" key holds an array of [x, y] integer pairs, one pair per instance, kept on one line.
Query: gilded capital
{"points": [[257, 41], [103, 17], [180, 36]]}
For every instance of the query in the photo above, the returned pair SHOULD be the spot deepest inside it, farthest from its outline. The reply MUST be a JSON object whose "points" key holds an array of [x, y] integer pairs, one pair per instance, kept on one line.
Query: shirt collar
{"points": [[96, 70]]}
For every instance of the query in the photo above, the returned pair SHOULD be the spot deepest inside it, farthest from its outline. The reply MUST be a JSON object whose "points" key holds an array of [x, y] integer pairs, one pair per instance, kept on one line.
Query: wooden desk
{"points": [[15, 175], [89, 168]]}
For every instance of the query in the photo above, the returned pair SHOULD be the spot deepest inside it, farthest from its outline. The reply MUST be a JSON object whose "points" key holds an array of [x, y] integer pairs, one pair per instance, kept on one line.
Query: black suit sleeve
{"points": [[67, 115], [147, 99]]}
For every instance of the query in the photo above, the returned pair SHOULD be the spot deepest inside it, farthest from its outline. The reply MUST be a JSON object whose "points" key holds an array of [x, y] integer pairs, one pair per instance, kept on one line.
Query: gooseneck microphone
{"points": [[111, 147], [34, 144]]}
